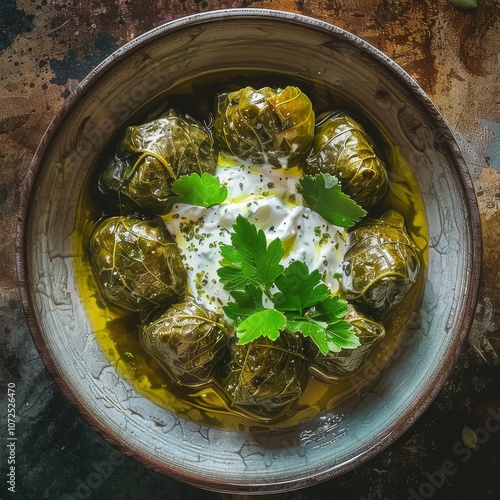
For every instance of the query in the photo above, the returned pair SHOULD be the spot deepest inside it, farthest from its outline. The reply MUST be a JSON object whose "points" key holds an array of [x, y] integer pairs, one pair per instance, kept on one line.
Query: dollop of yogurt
{"points": [[268, 198]]}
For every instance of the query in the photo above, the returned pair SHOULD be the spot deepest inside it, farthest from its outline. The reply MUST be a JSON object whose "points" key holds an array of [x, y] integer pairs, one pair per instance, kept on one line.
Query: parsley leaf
{"points": [[309, 328], [331, 309], [247, 302], [267, 323], [250, 261], [341, 335], [326, 326], [299, 289], [251, 271], [203, 191], [338, 333], [323, 194]]}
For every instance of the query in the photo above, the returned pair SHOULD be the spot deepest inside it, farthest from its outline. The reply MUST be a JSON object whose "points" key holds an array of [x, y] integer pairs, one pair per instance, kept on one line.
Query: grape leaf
{"points": [[267, 323], [323, 194], [299, 289], [250, 261], [203, 191]]}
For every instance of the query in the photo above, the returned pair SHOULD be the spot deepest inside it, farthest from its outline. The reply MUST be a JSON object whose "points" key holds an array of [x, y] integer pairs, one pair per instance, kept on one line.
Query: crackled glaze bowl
{"points": [[362, 425]]}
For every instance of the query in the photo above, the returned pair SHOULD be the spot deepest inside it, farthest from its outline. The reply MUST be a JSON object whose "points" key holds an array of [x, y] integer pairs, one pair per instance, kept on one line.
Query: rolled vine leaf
{"points": [[342, 148], [265, 125], [153, 155], [266, 375], [381, 263], [346, 361], [136, 262], [187, 340]]}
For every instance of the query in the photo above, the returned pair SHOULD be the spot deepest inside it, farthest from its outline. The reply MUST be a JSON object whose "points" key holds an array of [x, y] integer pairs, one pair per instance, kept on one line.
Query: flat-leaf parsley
{"points": [[268, 298], [323, 194], [203, 191]]}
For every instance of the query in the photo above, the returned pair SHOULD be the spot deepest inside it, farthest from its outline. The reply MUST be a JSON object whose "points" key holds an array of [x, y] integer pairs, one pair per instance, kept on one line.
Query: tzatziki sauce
{"points": [[268, 198]]}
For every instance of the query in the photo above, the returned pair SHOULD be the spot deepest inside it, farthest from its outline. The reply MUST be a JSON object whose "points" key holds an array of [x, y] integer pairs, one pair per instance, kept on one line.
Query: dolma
{"points": [[265, 125], [153, 155], [381, 263], [266, 375], [342, 148], [187, 340], [136, 262]]}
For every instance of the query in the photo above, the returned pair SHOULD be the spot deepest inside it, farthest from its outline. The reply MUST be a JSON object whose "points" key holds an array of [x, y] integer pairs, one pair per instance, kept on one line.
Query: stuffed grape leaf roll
{"points": [[265, 375], [381, 263], [342, 148], [187, 340], [265, 125], [153, 155], [136, 262]]}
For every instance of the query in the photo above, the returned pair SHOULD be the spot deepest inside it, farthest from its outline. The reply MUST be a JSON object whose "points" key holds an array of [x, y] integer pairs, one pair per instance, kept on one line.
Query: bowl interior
{"points": [[248, 40]]}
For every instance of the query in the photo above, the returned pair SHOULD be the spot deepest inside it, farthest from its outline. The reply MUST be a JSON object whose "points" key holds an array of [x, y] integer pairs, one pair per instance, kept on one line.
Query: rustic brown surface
{"points": [[48, 47]]}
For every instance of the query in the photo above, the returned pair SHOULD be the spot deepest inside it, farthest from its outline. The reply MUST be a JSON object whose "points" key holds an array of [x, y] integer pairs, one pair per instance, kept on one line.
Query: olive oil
{"points": [[116, 329]]}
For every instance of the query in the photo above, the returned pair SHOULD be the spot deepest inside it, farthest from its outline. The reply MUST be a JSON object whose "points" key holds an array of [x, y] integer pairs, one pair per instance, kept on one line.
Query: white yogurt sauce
{"points": [[268, 198]]}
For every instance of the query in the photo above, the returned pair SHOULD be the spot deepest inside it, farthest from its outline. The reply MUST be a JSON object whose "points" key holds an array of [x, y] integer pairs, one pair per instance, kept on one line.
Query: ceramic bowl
{"points": [[361, 426]]}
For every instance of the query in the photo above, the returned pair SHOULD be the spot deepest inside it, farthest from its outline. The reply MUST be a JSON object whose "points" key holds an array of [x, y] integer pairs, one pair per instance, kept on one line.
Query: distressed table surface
{"points": [[47, 47]]}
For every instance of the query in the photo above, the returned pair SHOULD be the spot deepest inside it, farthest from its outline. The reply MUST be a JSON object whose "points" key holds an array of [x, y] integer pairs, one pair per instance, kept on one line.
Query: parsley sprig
{"points": [[202, 191], [268, 298], [323, 194]]}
